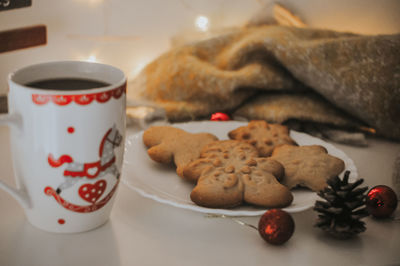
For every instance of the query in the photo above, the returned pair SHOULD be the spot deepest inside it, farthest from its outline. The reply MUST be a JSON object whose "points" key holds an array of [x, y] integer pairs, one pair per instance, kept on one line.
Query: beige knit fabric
{"points": [[357, 74]]}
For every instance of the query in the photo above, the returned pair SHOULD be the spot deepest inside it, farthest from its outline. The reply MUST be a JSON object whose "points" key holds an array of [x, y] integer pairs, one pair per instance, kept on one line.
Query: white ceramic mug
{"points": [[67, 145]]}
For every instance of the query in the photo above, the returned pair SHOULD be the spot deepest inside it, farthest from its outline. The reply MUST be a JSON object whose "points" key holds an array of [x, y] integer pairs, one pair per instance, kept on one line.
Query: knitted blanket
{"points": [[279, 74]]}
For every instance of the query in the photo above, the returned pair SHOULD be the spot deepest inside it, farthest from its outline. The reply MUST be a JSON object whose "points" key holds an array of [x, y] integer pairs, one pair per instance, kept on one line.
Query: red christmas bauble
{"points": [[276, 226], [220, 117], [381, 201]]}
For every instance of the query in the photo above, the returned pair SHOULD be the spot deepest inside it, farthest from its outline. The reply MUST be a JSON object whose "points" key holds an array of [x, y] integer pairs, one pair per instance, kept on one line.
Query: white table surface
{"points": [[144, 232]]}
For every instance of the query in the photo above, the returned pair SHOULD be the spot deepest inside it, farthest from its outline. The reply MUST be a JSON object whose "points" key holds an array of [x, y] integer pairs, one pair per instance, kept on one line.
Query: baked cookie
{"points": [[169, 144], [262, 135], [309, 166], [230, 173]]}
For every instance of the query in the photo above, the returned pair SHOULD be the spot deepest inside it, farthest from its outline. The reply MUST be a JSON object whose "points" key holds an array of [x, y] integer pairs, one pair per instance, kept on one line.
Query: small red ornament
{"points": [[71, 130], [276, 226], [220, 117], [381, 201]]}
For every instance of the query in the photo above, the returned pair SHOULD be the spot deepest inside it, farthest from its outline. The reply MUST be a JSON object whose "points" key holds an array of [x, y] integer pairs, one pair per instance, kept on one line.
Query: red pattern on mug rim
{"points": [[81, 99]]}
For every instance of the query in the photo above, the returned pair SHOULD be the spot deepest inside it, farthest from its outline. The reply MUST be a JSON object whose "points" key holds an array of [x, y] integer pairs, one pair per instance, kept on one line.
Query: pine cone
{"points": [[340, 214]]}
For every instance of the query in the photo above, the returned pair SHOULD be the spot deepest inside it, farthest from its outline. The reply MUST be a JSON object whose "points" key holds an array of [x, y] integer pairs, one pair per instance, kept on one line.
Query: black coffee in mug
{"points": [[67, 84]]}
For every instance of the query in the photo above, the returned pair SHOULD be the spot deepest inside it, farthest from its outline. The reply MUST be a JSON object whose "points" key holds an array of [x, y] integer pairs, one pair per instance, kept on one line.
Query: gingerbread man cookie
{"points": [[230, 173], [169, 144], [262, 135], [309, 166]]}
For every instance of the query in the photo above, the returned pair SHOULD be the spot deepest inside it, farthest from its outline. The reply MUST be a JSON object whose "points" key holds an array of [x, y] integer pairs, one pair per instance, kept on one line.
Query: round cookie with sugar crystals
{"points": [[308, 166], [262, 135], [230, 173], [167, 144]]}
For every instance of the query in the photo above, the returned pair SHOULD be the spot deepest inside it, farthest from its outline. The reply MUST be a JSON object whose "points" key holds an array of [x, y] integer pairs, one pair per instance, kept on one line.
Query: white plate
{"points": [[160, 182]]}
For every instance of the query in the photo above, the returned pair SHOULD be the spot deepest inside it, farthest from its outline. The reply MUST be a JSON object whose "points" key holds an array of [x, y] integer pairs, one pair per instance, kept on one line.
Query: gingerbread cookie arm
{"points": [[160, 154], [155, 135], [157, 139], [195, 169]]}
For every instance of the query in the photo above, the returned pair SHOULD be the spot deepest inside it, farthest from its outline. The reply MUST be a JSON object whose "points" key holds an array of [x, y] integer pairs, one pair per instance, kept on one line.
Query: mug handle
{"points": [[14, 120]]}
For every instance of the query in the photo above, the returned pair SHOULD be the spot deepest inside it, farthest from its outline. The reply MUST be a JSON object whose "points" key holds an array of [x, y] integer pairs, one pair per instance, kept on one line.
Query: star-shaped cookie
{"points": [[309, 166], [262, 135]]}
